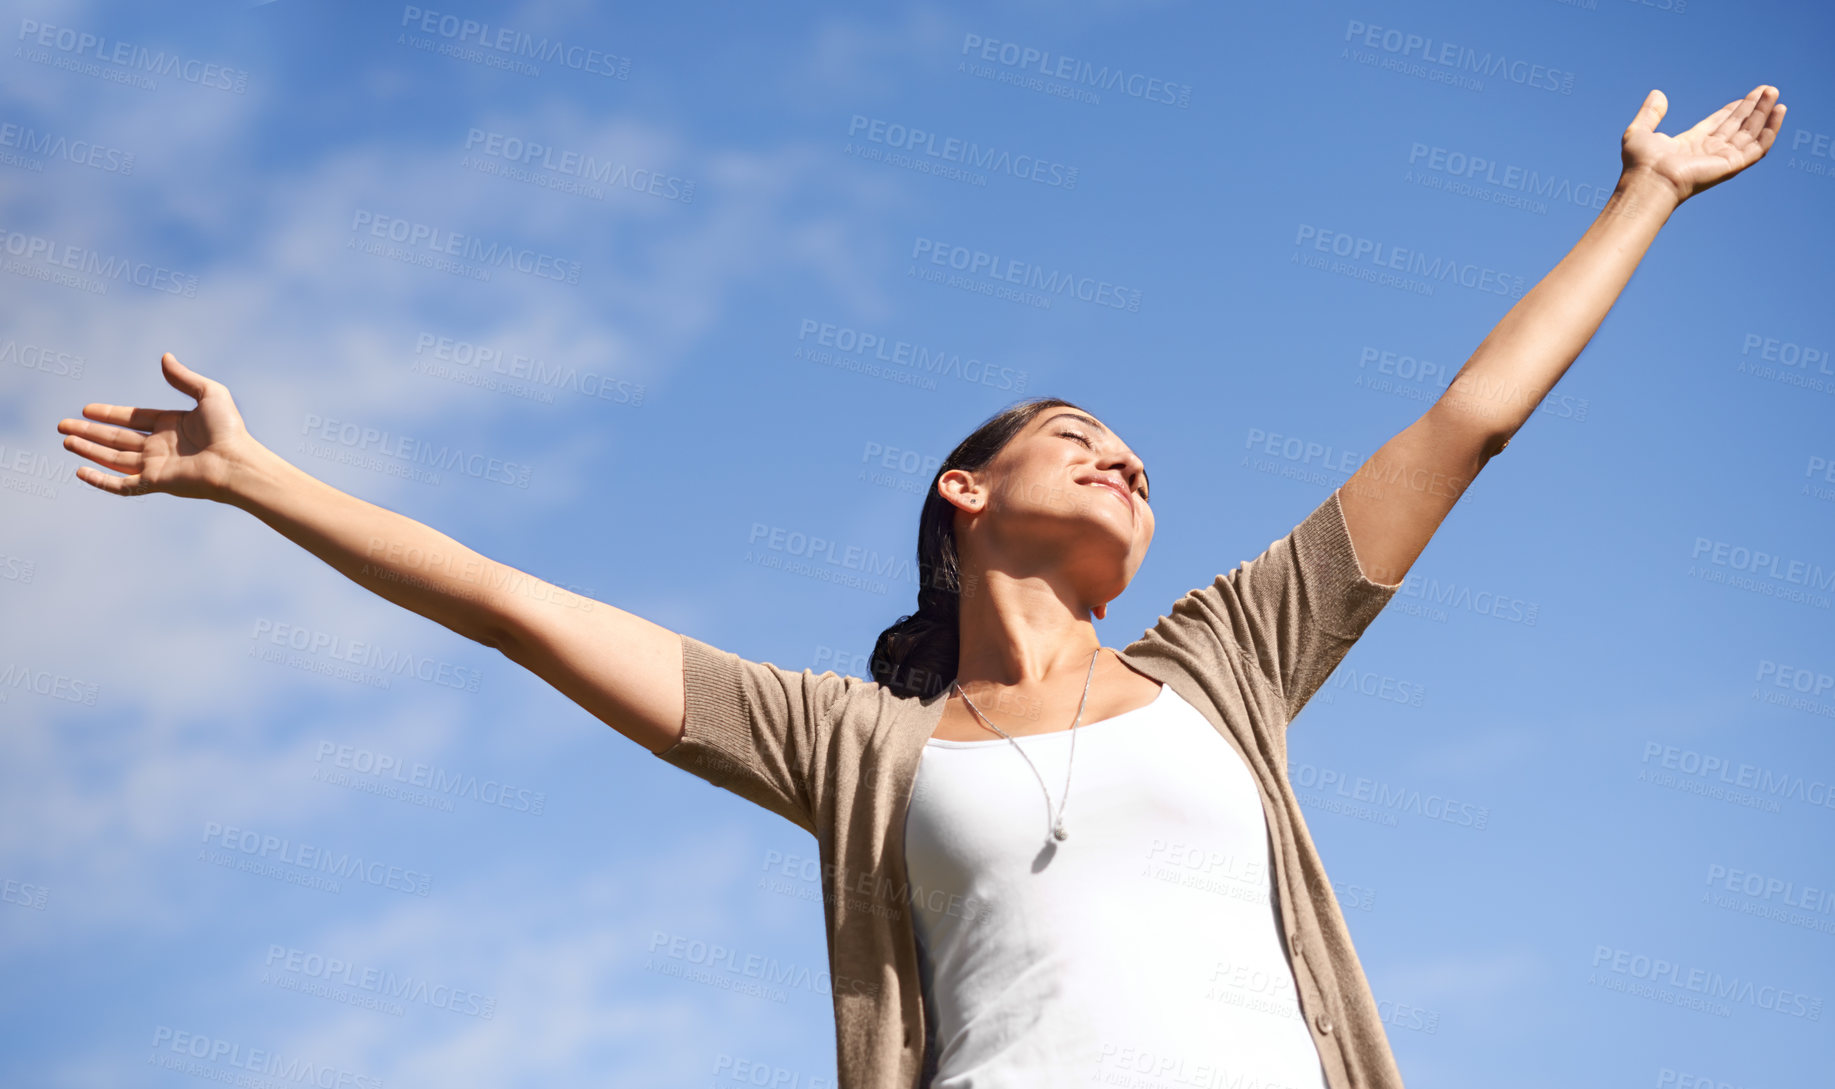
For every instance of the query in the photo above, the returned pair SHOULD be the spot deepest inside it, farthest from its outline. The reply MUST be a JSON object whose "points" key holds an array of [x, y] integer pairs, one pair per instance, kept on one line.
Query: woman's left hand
{"points": [[1720, 145]]}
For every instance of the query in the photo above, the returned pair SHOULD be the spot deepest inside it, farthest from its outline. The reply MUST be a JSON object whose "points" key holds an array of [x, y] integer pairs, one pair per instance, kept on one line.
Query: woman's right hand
{"points": [[192, 452]]}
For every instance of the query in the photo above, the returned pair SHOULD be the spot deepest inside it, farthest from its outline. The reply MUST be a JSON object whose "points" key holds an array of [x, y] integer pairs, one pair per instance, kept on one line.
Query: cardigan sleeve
{"points": [[1293, 612], [755, 729]]}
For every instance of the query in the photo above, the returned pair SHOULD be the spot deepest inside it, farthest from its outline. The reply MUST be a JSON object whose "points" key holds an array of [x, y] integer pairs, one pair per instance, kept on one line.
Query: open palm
{"points": [[189, 452], [1720, 145]]}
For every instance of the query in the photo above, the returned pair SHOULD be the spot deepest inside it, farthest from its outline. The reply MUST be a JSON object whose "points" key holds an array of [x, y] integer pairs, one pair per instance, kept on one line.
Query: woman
{"points": [[981, 933]]}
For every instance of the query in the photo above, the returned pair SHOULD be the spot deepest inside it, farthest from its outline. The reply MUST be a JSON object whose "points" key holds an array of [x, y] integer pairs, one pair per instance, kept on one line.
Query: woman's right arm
{"points": [[622, 668]]}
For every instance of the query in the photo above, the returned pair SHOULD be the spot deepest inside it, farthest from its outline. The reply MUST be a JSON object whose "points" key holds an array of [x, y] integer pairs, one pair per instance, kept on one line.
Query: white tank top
{"points": [[1144, 949]]}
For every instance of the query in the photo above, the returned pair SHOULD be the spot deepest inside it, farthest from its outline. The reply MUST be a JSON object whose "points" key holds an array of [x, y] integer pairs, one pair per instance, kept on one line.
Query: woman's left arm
{"points": [[1398, 498]]}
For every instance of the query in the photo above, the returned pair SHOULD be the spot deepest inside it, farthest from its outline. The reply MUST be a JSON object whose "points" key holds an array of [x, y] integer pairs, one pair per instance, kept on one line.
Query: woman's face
{"points": [[1067, 495]]}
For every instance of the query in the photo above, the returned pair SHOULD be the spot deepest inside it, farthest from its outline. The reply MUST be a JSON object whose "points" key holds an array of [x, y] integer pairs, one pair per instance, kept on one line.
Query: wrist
{"points": [[252, 468], [1644, 189]]}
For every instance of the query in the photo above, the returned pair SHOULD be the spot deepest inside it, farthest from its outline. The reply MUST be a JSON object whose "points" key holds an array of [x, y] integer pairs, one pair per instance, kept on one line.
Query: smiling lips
{"points": [[1116, 488]]}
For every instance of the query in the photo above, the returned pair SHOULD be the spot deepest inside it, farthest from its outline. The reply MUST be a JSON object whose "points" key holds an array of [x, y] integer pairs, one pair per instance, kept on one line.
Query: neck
{"points": [[1021, 632]]}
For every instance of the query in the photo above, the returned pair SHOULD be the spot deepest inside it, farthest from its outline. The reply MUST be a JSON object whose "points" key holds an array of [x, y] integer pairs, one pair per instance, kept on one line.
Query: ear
{"points": [[1102, 611], [955, 486]]}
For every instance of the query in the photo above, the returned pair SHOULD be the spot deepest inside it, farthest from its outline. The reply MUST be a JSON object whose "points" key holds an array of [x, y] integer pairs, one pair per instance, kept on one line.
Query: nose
{"points": [[1125, 463]]}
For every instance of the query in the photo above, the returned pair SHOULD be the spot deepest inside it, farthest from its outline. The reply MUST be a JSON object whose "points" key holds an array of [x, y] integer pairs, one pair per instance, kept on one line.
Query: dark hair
{"points": [[917, 656]]}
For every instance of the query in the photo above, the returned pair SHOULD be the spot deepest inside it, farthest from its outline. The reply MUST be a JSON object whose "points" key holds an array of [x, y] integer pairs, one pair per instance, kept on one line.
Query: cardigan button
{"points": [[1324, 1022], [1293, 942]]}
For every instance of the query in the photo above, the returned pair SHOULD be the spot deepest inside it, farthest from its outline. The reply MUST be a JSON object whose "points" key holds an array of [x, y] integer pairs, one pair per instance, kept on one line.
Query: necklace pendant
{"points": [[1058, 831]]}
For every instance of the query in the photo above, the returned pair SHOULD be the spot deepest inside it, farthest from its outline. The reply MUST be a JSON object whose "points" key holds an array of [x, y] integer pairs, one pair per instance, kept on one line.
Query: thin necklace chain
{"points": [[1057, 827]]}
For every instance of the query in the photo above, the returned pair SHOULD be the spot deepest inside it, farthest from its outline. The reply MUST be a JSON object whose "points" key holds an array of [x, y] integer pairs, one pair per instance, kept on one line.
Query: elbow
{"points": [[494, 636], [1484, 433]]}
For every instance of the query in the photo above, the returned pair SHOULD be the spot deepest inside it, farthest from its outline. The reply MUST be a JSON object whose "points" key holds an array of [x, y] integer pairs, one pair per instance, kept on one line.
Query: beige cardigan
{"points": [[838, 755]]}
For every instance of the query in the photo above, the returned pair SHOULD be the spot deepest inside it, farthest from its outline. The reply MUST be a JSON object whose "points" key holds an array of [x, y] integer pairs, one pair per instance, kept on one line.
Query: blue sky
{"points": [[635, 282]]}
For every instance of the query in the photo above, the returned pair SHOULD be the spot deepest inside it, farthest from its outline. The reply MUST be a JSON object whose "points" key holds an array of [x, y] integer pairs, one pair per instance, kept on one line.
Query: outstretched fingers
{"points": [[1761, 116], [115, 448], [122, 461], [1711, 124], [1747, 135], [1733, 115], [140, 419], [1772, 124], [108, 482], [1747, 114], [116, 438]]}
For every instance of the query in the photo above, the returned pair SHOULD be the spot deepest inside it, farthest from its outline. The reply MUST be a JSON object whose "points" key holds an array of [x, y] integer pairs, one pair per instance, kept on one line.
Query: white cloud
{"points": [[156, 599], [866, 60]]}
